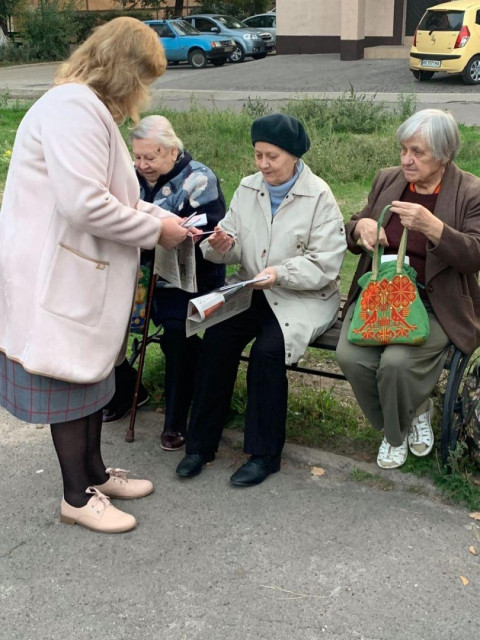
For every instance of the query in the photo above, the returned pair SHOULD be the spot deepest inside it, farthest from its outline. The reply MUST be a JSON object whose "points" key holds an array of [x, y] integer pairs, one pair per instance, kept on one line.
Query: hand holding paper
{"points": [[220, 241], [172, 232], [266, 279]]}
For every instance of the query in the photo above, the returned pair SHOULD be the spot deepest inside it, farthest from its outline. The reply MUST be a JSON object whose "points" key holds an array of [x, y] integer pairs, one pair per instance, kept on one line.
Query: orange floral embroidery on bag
{"points": [[385, 308]]}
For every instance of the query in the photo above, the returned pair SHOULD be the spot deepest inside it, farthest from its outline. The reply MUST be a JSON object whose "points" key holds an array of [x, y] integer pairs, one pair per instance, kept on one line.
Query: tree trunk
{"points": [[178, 8]]}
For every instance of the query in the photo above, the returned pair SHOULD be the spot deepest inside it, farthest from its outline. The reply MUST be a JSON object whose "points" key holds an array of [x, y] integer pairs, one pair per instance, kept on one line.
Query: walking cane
{"points": [[152, 280]]}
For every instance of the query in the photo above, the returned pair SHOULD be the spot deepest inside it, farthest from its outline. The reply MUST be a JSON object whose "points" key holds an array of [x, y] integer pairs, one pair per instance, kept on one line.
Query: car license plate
{"points": [[228, 49], [432, 64]]}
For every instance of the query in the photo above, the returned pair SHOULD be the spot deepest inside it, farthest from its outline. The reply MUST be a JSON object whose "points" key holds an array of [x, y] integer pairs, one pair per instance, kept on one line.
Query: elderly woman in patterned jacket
{"points": [[170, 178]]}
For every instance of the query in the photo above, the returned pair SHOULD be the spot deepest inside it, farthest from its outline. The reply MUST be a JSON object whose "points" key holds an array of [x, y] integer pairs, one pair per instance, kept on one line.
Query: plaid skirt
{"points": [[39, 399]]}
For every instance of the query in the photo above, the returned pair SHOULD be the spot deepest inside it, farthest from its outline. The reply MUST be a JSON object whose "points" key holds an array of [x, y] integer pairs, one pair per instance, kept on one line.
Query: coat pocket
{"points": [[75, 287]]}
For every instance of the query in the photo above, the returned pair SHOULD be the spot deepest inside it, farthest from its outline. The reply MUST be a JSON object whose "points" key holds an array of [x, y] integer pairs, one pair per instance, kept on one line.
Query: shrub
{"points": [[48, 30], [88, 20]]}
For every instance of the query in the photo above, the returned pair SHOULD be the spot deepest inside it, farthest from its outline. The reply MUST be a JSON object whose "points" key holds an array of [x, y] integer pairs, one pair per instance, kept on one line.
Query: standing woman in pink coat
{"points": [[71, 227]]}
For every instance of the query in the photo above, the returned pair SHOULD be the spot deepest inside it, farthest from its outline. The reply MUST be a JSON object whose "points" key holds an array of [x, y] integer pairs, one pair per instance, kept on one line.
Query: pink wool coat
{"points": [[71, 225]]}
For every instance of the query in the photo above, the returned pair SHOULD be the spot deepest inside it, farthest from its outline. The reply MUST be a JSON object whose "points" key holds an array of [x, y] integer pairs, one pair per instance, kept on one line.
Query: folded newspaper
{"points": [[177, 266], [218, 305]]}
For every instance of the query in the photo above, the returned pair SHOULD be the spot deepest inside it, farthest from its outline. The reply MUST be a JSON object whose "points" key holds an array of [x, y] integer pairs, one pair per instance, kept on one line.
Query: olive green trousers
{"points": [[392, 384]]}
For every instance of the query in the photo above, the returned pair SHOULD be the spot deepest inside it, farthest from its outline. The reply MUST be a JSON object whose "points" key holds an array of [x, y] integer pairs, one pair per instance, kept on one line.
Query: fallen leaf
{"points": [[318, 471], [464, 581], [473, 551], [475, 515]]}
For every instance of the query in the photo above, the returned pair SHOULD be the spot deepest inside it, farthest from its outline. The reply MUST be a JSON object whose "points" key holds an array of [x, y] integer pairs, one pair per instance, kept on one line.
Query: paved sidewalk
{"points": [[299, 557]]}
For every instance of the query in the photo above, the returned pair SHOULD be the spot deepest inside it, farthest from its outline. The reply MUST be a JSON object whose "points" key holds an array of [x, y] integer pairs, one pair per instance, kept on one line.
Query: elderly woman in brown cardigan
{"points": [[440, 206]]}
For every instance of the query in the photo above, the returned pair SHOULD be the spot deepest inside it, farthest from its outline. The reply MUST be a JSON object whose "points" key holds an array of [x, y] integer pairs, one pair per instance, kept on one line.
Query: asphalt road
{"points": [[278, 78]]}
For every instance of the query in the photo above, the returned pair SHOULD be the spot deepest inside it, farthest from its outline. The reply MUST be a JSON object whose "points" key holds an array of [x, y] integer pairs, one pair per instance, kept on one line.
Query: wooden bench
{"points": [[455, 366]]}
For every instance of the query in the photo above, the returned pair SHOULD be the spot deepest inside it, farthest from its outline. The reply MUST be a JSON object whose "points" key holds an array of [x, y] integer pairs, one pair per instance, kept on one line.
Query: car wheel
{"points": [[238, 54], [219, 62], [259, 56], [471, 74], [197, 59], [422, 76]]}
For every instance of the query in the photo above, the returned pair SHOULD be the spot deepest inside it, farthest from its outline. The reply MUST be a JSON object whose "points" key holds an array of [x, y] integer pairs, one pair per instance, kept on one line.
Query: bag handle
{"points": [[378, 249]]}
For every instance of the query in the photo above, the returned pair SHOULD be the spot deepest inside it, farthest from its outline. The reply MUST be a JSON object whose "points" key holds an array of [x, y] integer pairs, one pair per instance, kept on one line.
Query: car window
{"points": [[270, 21], [230, 23], [163, 30], [442, 21], [204, 24], [254, 22], [183, 28]]}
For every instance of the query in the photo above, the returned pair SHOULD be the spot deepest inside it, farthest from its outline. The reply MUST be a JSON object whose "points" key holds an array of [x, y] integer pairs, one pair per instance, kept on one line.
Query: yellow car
{"points": [[447, 39]]}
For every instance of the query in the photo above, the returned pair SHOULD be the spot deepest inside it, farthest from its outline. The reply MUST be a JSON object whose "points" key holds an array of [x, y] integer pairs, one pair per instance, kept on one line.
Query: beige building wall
{"points": [[338, 26], [379, 17], [315, 18]]}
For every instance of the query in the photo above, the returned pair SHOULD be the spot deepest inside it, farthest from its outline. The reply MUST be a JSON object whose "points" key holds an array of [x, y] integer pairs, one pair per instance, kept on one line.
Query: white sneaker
{"points": [[392, 457], [420, 436]]}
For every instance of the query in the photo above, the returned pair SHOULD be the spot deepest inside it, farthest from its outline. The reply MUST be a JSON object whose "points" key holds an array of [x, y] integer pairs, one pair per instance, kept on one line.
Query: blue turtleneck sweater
{"points": [[278, 192]]}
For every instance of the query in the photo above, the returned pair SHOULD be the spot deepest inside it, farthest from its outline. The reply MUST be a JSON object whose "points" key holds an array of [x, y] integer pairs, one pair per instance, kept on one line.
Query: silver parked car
{"points": [[263, 21], [250, 42]]}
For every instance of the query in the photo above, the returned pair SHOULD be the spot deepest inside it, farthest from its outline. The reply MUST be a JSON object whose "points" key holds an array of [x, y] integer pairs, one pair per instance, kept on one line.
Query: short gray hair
{"points": [[159, 129], [437, 128]]}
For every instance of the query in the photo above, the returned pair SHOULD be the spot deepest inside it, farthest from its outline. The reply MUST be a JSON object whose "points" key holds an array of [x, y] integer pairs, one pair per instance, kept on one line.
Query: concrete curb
{"points": [[343, 466]]}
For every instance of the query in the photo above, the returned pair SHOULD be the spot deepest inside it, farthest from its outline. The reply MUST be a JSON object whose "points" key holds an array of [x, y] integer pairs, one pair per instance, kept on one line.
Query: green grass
{"points": [[352, 138]]}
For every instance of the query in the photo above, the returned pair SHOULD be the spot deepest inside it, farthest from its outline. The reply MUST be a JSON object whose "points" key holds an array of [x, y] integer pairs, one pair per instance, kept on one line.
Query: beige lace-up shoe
{"points": [[119, 486], [98, 515]]}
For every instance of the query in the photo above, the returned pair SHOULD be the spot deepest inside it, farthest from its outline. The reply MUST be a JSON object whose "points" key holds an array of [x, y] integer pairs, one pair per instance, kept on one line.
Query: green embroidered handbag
{"points": [[389, 309]]}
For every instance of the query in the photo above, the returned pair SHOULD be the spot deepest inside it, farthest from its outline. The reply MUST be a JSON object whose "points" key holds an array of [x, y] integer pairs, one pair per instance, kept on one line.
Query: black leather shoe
{"points": [[256, 470], [118, 411], [192, 464]]}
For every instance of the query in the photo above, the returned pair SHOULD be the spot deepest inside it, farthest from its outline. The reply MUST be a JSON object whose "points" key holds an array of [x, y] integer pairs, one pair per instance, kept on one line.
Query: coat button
{"points": [[275, 303], [289, 355], [286, 324], [262, 194], [299, 246]]}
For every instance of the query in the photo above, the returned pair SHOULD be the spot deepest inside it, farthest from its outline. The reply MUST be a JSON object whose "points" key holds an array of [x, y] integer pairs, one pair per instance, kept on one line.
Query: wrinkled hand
{"points": [[172, 233], [414, 217], [195, 233], [272, 274], [220, 240], [366, 234]]}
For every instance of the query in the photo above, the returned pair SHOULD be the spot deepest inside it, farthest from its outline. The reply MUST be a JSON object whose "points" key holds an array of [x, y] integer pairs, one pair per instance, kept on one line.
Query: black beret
{"points": [[283, 131]]}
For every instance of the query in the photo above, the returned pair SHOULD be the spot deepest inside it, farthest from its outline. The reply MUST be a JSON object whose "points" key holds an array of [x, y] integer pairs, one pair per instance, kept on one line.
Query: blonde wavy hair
{"points": [[118, 61]]}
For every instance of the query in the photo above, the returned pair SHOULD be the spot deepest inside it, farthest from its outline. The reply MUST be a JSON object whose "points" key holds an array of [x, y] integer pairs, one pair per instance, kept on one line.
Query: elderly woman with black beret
{"points": [[283, 223]]}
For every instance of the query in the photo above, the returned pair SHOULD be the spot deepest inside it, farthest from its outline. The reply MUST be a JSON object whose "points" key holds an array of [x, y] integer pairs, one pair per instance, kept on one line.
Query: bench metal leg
{"points": [[453, 410]]}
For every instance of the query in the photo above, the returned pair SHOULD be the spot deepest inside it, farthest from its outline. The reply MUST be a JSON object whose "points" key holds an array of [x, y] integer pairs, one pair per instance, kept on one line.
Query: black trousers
{"points": [[181, 355], [267, 385]]}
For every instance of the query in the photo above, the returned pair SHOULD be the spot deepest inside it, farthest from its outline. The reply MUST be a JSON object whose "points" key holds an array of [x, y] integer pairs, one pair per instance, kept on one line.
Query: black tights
{"points": [[77, 444]]}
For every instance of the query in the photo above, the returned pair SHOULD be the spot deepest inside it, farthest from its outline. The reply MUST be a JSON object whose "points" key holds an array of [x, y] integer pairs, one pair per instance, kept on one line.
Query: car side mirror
{"points": [[215, 30]]}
